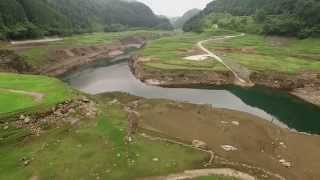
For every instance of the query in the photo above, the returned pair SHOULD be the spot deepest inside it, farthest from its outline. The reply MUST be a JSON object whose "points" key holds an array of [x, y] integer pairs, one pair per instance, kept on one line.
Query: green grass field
{"points": [[53, 90], [94, 149], [259, 53], [169, 53]]}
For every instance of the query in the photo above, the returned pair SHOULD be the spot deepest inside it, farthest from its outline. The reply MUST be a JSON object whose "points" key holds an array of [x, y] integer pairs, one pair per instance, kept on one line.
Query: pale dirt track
{"points": [[240, 80], [38, 97]]}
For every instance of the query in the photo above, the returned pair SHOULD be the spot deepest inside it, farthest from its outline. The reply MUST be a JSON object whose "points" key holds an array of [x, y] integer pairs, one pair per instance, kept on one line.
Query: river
{"points": [[278, 107]]}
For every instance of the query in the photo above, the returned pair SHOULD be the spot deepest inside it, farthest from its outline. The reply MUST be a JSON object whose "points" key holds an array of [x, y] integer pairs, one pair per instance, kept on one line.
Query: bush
{"points": [[285, 25], [2, 36], [115, 28], [260, 16], [24, 31]]}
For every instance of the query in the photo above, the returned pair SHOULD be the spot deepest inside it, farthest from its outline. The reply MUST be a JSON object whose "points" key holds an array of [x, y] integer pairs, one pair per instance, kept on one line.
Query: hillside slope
{"points": [[274, 17], [20, 19], [178, 23]]}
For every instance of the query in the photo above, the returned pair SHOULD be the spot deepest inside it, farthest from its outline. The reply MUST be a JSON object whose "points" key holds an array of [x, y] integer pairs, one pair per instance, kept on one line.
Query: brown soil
{"points": [[179, 77], [260, 144], [10, 62]]}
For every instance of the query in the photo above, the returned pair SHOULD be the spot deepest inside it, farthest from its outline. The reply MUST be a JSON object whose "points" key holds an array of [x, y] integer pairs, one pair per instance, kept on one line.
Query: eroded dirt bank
{"points": [[61, 60], [305, 85], [10, 62], [239, 140], [68, 59]]}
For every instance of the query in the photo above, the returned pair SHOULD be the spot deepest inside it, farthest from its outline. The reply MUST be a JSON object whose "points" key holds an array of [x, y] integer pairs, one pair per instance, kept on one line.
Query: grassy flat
{"points": [[259, 53], [10, 102], [169, 53], [40, 55], [53, 91], [94, 149]]}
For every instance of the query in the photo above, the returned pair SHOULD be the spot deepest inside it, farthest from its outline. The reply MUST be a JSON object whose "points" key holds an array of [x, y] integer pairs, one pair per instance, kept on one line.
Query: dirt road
{"points": [[240, 80]]}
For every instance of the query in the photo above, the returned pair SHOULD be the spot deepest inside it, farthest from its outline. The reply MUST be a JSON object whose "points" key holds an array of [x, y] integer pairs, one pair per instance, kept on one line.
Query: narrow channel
{"points": [[279, 107]]}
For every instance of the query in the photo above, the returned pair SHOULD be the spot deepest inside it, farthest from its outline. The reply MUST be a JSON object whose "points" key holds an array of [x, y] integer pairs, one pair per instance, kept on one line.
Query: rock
{"points": [[115, 101], [236, 123], [58, 113], [199, 144], [85, 99], [223, 122], [22, 117], [27, 120], [71, 110], [26, 162], [72, 120], [118, 155], [229, 148], [285, 163], [155, 159], [108, 171], [283, 144], [6, 127]]}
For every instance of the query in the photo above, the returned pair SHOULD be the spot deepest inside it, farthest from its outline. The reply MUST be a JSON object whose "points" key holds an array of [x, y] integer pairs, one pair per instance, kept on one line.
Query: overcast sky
{"points": [[174, 8]]}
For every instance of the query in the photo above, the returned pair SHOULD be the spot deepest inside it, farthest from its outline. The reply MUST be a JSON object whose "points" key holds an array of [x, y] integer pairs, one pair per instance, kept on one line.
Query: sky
{"points": [[174, 8]]}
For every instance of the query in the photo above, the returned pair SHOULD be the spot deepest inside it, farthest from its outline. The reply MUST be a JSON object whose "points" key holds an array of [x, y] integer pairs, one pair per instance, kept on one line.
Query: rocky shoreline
{"points": [[305, 85]]}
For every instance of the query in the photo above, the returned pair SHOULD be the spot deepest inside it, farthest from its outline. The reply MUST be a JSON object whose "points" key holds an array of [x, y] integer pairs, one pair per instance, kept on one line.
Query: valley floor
{"points": [[66, 134]]}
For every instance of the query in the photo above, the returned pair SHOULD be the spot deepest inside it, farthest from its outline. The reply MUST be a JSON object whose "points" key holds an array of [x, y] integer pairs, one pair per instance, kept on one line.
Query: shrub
{"points": [[115, 28]]}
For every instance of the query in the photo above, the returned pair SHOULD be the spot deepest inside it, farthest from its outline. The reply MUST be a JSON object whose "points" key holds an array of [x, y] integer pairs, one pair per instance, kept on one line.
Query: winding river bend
{"points": [[282, 109]]}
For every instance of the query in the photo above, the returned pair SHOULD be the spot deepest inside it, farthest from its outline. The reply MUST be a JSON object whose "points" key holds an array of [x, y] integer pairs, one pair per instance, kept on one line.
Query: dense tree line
{"points": [[20, 19], [277, 17]]}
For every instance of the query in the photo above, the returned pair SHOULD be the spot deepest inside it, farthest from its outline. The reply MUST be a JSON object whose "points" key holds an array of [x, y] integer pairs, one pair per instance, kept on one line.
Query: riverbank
{"points": [[58, 57], [291, 70], [305, 86], [269, 153], [118, 134]]}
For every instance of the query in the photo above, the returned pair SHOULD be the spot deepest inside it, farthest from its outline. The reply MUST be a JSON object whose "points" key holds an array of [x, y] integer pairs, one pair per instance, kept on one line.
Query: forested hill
{"points": [[277, 17], [178, 23], [21, 19]]}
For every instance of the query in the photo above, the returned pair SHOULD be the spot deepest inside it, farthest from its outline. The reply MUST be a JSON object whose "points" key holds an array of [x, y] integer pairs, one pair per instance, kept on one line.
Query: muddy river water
{"points": [[276, 106]]}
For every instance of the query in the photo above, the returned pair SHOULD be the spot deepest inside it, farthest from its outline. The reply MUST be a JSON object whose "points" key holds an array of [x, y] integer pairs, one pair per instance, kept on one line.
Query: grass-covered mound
{"points": [[25, 92]]}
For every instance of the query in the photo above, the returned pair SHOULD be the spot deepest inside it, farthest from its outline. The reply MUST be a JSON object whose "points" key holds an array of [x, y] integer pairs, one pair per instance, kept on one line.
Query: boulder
{"points": [[199, 144]]}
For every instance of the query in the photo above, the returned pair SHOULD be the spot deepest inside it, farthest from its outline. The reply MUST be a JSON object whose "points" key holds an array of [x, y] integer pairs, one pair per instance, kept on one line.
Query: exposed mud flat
{"points": [[260, 148]]}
